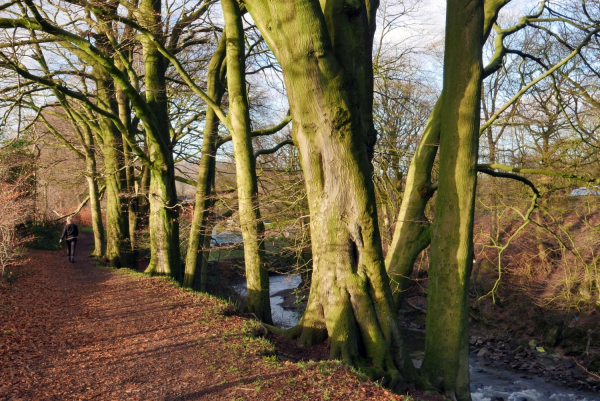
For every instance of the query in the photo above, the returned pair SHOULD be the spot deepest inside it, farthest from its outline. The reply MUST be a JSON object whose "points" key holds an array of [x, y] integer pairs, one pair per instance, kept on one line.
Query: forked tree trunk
{"points": [[206, 171], [257, 277], [112, 149], [330, 94], [446, 361], [164, 212], [412, 233]]}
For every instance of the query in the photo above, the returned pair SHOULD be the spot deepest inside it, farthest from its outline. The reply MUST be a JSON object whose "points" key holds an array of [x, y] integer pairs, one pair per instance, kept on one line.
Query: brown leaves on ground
{"points": [[75, 331]]}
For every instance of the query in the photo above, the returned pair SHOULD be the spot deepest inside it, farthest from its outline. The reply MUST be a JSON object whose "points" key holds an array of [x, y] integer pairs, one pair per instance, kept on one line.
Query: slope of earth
{"points": [[76, 331]]}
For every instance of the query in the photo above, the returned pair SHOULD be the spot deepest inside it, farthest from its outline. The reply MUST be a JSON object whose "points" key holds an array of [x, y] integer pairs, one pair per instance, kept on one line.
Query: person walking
{"points": [[70, 233]]}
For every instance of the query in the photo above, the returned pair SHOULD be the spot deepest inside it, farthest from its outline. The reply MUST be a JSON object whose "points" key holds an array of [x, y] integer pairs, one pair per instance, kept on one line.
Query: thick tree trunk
{"points": [[112, 149], [446, 361], [115, 219], [164, 218], [200, 279], [257, 277], [350, 300], [163, 224], [206, 172]]}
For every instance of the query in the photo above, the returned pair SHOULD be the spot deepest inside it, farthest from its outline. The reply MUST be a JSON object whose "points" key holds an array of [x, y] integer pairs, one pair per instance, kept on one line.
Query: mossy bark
{"points": [[325, 54], [112, 149], [446, 362], [206, 173], [91, 176], [129, 176], [412, 233], [163, 225], [257, 278], [164, 216]]}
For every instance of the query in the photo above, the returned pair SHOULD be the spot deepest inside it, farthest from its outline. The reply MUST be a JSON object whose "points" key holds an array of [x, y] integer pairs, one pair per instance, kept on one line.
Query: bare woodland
{"points": [[319, 133]]}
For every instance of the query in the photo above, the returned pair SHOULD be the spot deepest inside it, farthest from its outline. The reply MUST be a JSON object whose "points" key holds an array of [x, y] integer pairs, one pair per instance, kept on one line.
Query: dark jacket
{"points": [[70, 231]]}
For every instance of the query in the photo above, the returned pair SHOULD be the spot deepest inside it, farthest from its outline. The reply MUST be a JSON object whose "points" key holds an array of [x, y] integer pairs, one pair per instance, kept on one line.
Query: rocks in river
{"points": [[592, 381], [524, 357], [497, 399]]}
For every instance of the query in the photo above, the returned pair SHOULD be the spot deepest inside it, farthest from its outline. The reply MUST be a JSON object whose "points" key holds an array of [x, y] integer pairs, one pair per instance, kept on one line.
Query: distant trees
{"points": [[17, 166]]}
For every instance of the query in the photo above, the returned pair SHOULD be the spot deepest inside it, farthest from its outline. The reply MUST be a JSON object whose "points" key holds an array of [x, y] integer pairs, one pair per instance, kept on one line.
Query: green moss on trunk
{"points": [[446, 361], [257, 279], [163, 220], [116, 215], [206, 172], [91, 176], [412, 231], [326, 60]]}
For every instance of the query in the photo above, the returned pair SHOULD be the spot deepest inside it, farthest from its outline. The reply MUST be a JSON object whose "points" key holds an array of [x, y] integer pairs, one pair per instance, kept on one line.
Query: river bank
{"points": [[502, 368]]}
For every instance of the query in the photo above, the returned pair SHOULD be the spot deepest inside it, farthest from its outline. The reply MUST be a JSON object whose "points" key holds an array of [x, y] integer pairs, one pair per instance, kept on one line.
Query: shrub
{"points": [[44, 235], [16, 205]]}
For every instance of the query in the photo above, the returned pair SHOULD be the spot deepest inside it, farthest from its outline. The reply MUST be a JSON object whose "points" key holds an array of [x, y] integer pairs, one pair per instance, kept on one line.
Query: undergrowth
{"points": [[44, 236]]}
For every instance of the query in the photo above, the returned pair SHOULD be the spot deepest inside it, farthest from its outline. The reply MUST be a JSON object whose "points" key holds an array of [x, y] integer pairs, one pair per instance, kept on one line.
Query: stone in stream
{"points": [[482, 352]]}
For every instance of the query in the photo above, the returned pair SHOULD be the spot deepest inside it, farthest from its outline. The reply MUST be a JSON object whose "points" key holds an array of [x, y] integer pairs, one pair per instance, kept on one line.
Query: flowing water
{"points": [[486, 382], [489, 384], [281, 317]]}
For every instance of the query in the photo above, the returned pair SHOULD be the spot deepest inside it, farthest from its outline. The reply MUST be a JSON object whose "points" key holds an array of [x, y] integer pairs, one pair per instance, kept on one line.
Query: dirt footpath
{"points": [[74, 331]]}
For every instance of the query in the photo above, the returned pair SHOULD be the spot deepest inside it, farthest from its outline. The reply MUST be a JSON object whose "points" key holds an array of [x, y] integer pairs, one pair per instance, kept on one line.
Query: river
{"points": [[487, 384]]}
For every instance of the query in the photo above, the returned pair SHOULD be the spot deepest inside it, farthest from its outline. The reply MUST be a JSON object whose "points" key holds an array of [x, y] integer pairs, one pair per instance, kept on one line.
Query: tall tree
{"points": [[257, 278], [325, 52], [446, 344], [204, 185], [412, 233], [164, 227]]}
